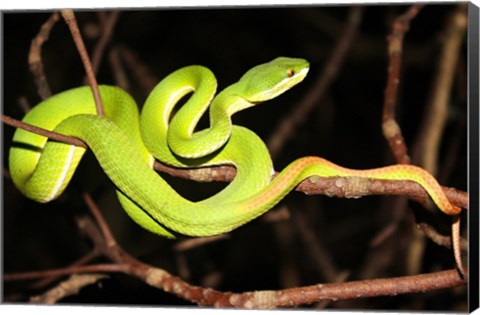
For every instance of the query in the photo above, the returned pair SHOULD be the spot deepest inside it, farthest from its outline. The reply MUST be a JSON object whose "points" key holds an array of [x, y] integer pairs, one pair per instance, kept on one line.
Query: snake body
{"points": [[127, 143]]}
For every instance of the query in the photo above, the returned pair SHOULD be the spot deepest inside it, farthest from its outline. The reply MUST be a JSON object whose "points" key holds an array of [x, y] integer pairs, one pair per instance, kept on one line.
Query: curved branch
{"points": [[162, 279], [303, 295], [345, 187], [391, 129], [35, 56], [71, 21], [67, 288]]}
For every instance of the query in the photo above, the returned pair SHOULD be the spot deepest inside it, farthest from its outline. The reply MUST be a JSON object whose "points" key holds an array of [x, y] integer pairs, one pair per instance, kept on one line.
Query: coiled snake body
{"points": [[126, 144]]}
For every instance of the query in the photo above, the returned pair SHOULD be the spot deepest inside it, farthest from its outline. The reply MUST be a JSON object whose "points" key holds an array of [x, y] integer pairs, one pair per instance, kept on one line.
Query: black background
{"points": [[345, 128]]}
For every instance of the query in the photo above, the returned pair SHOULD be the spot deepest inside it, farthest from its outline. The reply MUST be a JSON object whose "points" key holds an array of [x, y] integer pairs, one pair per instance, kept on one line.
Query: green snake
{"points": [[127, 143]]}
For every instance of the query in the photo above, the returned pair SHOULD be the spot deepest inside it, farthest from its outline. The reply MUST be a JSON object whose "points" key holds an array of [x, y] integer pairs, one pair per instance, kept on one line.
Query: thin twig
{"points": [[109, 239], [457, 245], [35, 56], [107, 31], [69, 18], [69, 287], [81, 261], [391, 129], [44, 132], [439, 239], [65, 271]]}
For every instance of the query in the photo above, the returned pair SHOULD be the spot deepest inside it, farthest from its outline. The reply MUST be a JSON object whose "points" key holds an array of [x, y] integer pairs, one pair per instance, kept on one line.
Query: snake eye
{"points": [[290, 73]]}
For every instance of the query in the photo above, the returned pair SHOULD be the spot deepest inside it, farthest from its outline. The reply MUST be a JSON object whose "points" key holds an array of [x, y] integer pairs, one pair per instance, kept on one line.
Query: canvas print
{"points": [[266, 157]]}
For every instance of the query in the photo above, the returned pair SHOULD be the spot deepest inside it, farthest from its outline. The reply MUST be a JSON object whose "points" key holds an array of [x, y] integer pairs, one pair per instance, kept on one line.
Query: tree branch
{"points": [[35, 56], [391, 129], [71, 21], [344, 187], [159, 278]]}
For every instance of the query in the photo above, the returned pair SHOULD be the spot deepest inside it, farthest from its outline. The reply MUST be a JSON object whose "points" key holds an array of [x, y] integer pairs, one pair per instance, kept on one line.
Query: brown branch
{"points": [[162, 279], [439, 239], [311, 294], [344, 187], [347, 187], [79, 262], [286, 128], [71, 21], [457, 245], [69, 287], [340, 187], [35, 56], [391, 129], [46, 133], [222, 173], [107, 235], [107, 30], [65, 271]]}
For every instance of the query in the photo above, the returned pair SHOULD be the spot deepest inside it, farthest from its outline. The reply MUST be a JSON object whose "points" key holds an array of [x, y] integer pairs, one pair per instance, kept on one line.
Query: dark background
{"points": [[345, 127]]}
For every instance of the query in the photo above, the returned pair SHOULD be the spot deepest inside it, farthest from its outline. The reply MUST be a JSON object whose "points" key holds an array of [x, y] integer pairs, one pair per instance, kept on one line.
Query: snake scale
{"points": [[126, 143]]}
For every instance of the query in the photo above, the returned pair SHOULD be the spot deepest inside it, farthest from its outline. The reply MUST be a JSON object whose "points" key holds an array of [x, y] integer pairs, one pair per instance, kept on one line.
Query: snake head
{"points": [[267, 81]]}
